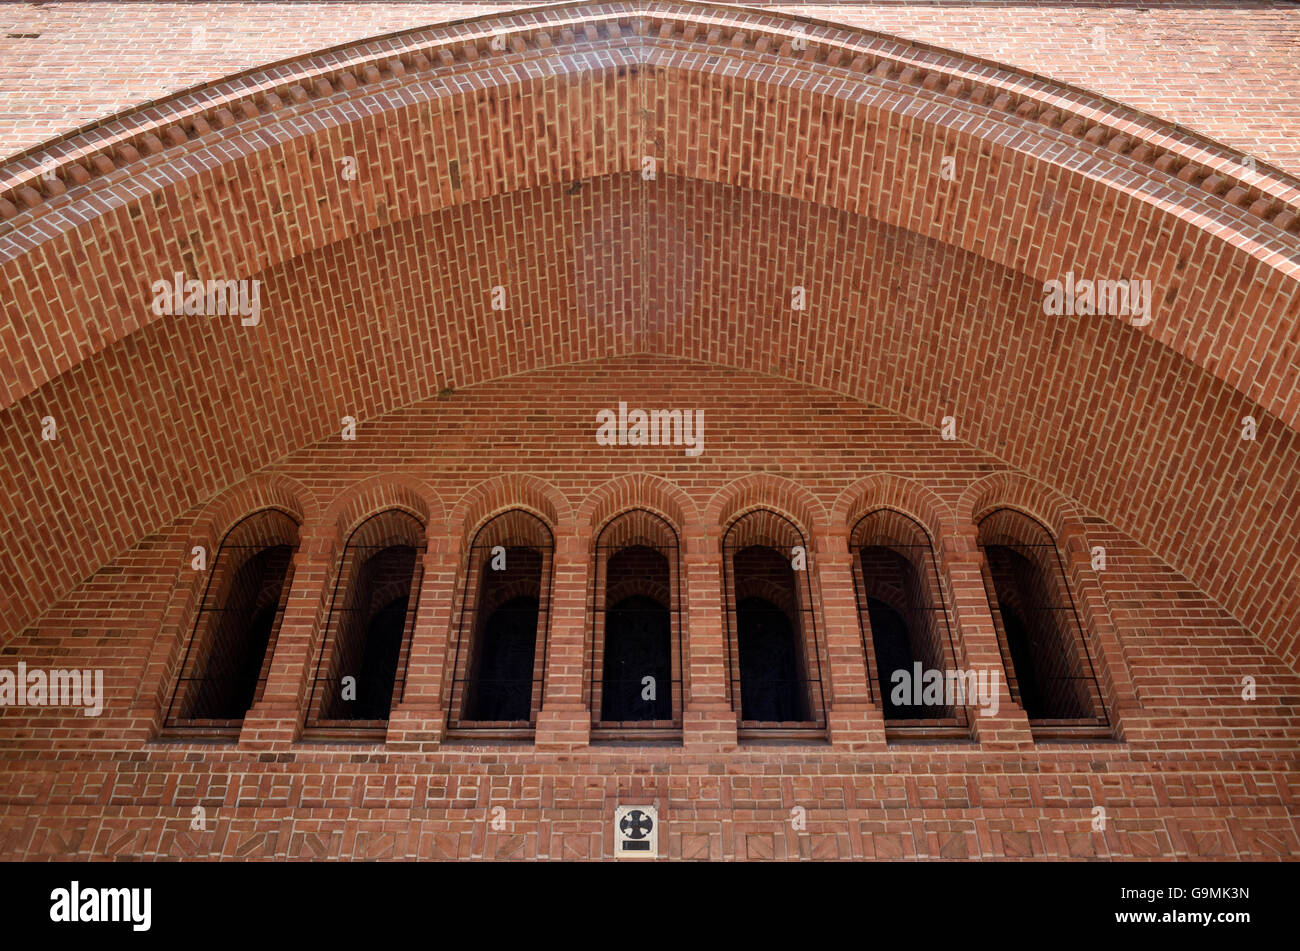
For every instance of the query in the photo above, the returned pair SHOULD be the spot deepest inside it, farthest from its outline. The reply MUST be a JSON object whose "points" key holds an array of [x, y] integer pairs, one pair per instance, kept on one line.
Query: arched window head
{"points": [[906, 633], [774, 650], [1048, 664], [500, 652], [362, 664], [636, 648], [224, 668]]}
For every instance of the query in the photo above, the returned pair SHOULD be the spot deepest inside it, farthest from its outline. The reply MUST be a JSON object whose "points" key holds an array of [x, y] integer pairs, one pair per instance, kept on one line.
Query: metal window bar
{"points": [[518, 532], [408, 632], [619, 535], [957, 722], [808, 640], [349, 618], [212, 656], [1068, 656]]}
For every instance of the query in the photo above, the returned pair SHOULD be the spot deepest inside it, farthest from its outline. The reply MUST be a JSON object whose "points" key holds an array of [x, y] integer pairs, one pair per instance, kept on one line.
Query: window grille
{"points": [[226, 662], [1048, 663], [635, 688], [904, 621], [361, 667], [774, 650], [499, 665]]}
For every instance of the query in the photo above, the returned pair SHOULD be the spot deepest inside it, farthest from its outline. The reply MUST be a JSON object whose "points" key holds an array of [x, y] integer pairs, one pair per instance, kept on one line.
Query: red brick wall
{"points": [[1226, 283], [622, 265], [1220, 257], [1199, 771], [923, 301]]}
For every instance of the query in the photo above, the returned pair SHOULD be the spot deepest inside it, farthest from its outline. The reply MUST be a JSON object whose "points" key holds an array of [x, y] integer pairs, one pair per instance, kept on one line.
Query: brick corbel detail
{"points": [[854, 722], [275, 721], [564, 722], [1009, 727], [419, 720], [709, 722]]}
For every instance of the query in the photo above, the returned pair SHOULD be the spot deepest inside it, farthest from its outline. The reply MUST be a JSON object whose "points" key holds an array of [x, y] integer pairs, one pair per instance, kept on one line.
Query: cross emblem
{"points": [[636, 824]]}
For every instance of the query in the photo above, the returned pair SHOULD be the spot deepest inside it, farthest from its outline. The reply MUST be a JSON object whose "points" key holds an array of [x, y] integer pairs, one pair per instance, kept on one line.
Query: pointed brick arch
{"points": [[638, 490], [378, 493], [222, 152], [1096, 188], [766, 491]]}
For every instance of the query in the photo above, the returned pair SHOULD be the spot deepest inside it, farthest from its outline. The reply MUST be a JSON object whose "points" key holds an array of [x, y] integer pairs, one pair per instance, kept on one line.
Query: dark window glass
{"points": [[237, 639], [360, 672], [1044, 649], [501, 684], [1036, 630], [500, 656], [635, 652], [229, 650], [379, 661], [893, 645], [637, 645], [774, 656], [771, 682]]}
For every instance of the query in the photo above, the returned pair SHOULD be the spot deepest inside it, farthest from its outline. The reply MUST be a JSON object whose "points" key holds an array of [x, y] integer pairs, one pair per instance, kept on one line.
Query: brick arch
{"points": [[637, 490], [885, 490], [1061, 521], [1150, 198], [765, 491], [379, 493], [262, 491], [1196, 212], [528, 493], [213, 523], [1059, 515]]}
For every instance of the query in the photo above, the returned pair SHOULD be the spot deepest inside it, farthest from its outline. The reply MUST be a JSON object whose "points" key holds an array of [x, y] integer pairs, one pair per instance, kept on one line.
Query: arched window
{"points": [[1049, 667], [906, 632], [226, 661], [362, 663], [636, 649], [500, 656], [774, 651]]}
